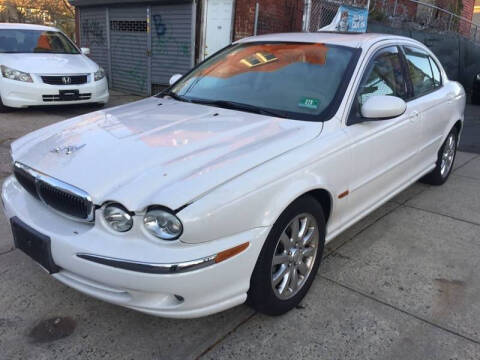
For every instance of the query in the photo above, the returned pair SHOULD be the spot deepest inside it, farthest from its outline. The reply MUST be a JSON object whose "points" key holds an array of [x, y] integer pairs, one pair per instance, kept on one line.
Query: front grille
{"points": [[49, 98], [26, 180], [65, 79], [58, 195]]}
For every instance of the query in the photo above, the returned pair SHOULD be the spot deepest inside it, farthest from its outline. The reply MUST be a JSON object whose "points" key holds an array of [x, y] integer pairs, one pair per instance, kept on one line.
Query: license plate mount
{"points": [[34, 244]]}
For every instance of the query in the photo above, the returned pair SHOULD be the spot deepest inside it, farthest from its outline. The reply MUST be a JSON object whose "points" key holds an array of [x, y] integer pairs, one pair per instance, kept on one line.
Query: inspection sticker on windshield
{"points": [[309, 103]]}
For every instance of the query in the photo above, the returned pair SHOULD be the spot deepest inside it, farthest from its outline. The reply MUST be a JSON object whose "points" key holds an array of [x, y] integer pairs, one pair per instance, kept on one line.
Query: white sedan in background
{"points": [[225, 187], [39, 65]]}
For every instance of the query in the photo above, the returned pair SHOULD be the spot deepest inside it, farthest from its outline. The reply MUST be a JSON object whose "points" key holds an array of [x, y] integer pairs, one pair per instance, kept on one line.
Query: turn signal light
{"points": [[226, 254]]}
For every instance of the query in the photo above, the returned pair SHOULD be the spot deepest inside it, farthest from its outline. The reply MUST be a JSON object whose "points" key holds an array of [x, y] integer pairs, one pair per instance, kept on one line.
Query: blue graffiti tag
{"points": [[160, 27]]}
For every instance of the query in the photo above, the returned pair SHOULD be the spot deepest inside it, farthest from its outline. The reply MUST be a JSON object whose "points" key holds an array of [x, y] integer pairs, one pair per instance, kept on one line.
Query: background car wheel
{"points": [[289, 259], [476, 98], [3, 108], [97, 105], [446, 158]]}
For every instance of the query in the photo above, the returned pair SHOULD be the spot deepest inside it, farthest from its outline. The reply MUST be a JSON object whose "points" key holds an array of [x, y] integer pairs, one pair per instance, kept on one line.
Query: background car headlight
{"points": [[478, 77], [13, 74], [163, 224], [99, 74], [117, 217]]}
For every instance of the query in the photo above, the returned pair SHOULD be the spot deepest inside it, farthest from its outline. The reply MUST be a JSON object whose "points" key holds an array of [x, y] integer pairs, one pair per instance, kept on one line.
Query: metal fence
{"points": [[284, 16], [408, 14]]}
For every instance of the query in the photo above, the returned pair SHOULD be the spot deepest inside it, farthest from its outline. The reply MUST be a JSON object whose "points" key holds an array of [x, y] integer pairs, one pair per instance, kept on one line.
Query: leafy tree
{"points": [[57, 13]]}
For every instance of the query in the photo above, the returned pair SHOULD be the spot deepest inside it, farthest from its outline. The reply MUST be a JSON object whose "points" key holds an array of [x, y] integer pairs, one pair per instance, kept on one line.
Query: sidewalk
{"points": [[401, 284]]}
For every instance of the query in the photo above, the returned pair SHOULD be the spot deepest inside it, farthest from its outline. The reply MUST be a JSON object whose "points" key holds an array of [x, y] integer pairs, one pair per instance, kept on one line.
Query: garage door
{"points": [[172, 41], [129, 44], [93, 34]]}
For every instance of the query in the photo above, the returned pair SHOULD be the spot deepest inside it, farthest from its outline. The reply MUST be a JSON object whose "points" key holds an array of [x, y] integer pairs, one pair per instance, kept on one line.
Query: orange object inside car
{"points": [[43, 42], [266, 58]]}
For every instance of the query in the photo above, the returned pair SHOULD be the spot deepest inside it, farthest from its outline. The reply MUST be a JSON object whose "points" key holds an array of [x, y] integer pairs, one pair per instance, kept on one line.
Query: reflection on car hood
{"points": [[158, 151], [49, 63]]}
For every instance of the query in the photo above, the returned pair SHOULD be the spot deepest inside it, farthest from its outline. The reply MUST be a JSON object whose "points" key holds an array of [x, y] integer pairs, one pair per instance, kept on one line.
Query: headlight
{"points": [[117, 217], [13, 74], [99, 74], [162, 224], [478, 77]]}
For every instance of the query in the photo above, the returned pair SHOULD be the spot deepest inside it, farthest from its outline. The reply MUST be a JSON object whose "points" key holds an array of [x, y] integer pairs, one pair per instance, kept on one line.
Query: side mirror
{"points": [[382, 107], [175, 78], [85, 51]]}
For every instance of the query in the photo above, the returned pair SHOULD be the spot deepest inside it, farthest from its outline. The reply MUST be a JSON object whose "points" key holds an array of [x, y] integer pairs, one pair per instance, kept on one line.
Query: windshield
{"points": [[35, 41], [294, 80]]}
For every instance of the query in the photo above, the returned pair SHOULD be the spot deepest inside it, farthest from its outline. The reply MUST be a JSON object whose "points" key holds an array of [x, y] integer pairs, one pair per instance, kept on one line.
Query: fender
{"points": [[258, 197]]}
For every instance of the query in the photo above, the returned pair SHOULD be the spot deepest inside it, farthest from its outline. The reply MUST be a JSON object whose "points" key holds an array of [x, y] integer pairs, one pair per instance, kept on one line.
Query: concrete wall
{"points": [[460, 57]]}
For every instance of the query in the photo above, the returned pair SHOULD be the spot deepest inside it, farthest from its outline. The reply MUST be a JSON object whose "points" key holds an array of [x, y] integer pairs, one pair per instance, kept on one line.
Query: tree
{"points": [[57, 13]]}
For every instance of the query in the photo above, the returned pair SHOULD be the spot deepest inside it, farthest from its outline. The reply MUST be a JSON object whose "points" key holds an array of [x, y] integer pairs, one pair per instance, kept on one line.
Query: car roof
{"points": [[356, 40], [27, 27]]}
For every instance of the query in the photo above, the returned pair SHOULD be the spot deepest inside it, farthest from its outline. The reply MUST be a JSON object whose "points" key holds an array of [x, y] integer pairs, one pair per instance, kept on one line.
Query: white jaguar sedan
{"points": [[39, 65], [225, 187]]}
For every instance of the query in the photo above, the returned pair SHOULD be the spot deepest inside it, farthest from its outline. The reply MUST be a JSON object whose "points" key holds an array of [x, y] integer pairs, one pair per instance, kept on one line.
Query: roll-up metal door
{"points": [[128, 46], [173, 33], [94, 34]]}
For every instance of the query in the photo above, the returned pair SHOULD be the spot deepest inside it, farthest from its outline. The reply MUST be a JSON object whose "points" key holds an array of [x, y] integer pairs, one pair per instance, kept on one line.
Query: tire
{"points": [[3, 108], [97, 105], [265, 294], [475, 98], [445, 161]]}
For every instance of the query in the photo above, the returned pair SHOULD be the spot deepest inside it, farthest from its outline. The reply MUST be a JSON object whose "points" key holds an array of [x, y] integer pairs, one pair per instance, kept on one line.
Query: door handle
{"points": [[413, 116]]}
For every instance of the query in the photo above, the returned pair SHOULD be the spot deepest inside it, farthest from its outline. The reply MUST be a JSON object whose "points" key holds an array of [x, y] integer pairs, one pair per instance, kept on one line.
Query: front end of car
{"points": [[22, 89], [133, 259]]}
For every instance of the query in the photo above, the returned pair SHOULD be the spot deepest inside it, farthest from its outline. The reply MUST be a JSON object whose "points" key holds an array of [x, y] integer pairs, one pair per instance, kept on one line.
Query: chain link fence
{"points": [[427, 15], [312, 15], [279, 16], [419, 15]]}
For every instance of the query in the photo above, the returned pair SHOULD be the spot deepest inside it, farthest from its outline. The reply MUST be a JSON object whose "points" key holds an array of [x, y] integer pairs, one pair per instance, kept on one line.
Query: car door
{"points": [[430, 98], [384, 152]]}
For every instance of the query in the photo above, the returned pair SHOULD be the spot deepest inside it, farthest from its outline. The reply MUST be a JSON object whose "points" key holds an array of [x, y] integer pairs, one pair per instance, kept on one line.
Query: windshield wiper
{"points": [[174, 96], [240, 106]]}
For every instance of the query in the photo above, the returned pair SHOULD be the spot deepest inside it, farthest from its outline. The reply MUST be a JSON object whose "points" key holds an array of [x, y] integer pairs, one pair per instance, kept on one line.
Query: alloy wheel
{"points": [[448, 155], [294, 256]]}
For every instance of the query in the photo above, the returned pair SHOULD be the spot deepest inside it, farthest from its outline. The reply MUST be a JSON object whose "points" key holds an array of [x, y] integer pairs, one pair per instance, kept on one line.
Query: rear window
{"points": [[17, 41]]}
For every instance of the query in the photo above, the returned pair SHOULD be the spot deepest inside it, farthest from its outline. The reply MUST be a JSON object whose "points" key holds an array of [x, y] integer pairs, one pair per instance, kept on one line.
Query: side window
{"points": [[420, 71], [437, 78], [384, 76]]}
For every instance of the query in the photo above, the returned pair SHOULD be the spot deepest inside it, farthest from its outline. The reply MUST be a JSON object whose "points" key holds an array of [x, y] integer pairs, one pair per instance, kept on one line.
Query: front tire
{"points": [[445, 160], [289, 259], [3, 108]]}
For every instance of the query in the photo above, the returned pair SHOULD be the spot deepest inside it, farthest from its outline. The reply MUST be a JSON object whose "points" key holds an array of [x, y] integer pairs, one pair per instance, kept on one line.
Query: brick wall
{"points": [[274, 16]]}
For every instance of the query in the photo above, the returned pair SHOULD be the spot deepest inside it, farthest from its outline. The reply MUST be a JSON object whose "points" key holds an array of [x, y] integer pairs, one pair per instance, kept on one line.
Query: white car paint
{"points": [[19, 94], [230, 174]]}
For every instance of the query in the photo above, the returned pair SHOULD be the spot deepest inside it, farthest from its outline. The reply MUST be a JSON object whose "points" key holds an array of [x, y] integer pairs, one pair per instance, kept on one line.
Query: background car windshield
{"points": [[35, 41], [295, 78]]}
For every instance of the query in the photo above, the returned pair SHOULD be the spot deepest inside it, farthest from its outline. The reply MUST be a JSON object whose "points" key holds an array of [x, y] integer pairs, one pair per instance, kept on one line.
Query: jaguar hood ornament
{"points": [[67, 150]]}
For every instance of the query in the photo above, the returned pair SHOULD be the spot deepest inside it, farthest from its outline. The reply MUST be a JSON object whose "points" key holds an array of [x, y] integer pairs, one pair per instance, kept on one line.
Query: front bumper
{"points": [[187, 294], [22, 94]]}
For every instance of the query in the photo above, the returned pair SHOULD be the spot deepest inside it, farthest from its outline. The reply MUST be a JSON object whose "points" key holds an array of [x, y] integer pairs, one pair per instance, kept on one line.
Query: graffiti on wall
{"points": [[92, 32], [164, 41]]}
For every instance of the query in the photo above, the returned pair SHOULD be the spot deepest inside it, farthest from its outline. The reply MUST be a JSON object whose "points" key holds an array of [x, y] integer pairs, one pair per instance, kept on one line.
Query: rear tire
{"points": [[288, 263], [475, 98], [445, 161]]}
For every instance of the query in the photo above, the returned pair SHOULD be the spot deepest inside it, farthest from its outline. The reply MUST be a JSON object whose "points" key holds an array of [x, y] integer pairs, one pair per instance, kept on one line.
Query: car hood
{"points": [[49, 63], [158, 151]]}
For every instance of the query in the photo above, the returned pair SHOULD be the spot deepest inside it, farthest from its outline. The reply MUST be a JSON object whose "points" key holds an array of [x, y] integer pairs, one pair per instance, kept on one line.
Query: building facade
{"points": [[142, 43]]}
